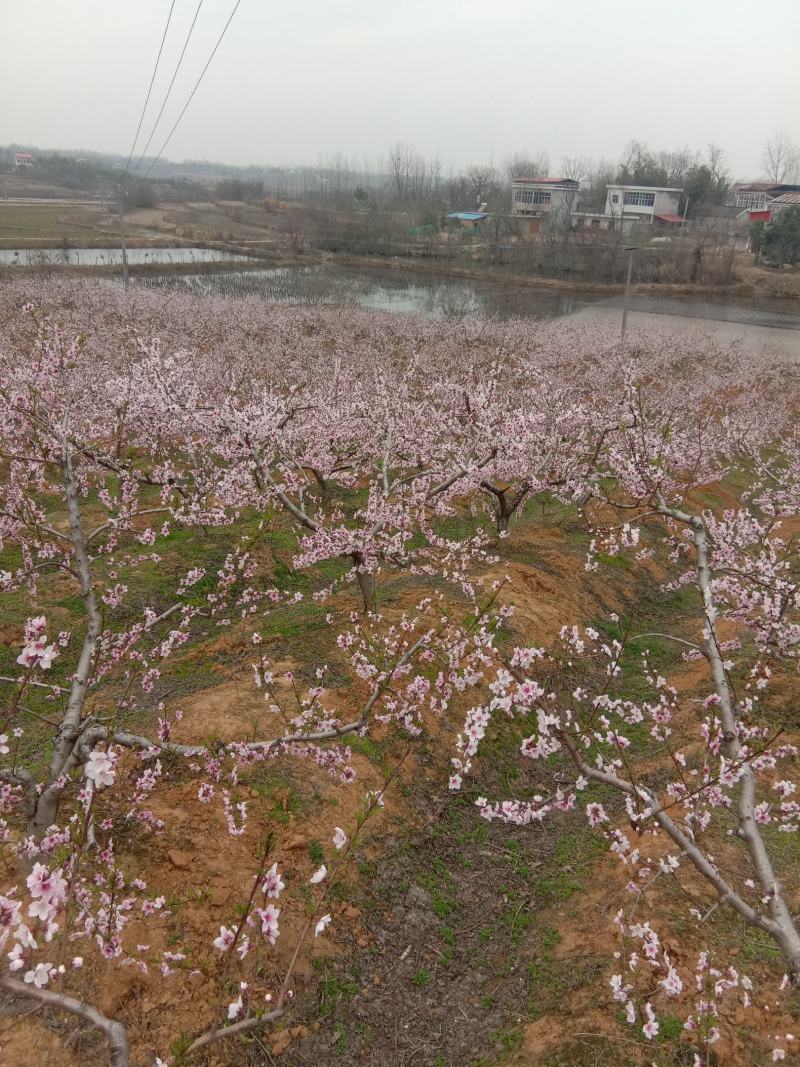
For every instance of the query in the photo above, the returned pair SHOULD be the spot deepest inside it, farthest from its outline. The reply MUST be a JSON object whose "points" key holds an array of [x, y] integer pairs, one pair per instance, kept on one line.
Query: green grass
{"points": [[333, 989], [663, 654], [375, 751], [438, 882], [575, 849], [447, 935], [670, 1028], [509, 1039], [341, 1043], [621, 561], [277, 787], [441, 905], [543, 972]]}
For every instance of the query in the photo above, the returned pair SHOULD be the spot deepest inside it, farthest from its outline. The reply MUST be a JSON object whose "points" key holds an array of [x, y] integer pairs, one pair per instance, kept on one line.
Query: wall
{"points": [[666, 203], [562, 201]]}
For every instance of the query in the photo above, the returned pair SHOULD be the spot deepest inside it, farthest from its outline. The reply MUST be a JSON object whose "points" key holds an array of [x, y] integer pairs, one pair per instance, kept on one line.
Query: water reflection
{"points": [[376, 290]]}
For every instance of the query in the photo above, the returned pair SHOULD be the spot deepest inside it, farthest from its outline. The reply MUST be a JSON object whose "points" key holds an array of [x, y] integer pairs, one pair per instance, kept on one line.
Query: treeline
{"points": [[96, 174], [405, 177], [408, 178], [705, 255]]}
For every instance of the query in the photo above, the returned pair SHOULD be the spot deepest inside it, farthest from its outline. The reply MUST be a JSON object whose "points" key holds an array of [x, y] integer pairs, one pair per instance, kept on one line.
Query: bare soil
{"points": [[454, 942]]}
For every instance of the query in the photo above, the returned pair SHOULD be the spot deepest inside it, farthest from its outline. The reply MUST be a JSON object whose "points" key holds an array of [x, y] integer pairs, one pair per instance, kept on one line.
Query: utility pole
{"points": [[122, 243], [685, 209], [630, 249]]}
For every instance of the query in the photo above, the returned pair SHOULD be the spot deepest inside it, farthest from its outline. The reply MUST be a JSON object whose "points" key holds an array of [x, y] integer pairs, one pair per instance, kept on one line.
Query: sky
{"points": [[467, 81]]}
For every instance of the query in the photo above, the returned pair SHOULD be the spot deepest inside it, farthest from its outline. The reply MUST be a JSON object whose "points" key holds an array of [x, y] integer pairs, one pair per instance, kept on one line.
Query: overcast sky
{"points": [[467, 80]]}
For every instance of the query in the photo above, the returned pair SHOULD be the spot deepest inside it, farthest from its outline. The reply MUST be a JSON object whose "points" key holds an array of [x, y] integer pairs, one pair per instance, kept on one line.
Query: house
{"points": [[23, 159], [633, 205], [469, 220], [758, 197], [784, 201], [752, 195], [540, 199], [648, 204]]}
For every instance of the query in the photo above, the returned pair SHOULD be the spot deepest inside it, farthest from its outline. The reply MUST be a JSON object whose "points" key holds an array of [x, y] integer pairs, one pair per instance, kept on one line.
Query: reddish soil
{"points": [[453, 941]]}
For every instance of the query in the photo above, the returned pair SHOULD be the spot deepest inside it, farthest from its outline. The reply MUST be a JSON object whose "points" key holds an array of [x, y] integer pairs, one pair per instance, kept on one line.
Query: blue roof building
{"points": [[470, 220]]}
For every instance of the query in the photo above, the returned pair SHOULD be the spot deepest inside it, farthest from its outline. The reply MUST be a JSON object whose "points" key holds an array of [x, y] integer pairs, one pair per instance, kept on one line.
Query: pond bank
{"points": [[255, 258]]}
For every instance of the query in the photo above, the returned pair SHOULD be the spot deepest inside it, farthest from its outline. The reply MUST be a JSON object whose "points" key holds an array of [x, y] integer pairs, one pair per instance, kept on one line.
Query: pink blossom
{"points": [[269, 922], [100, 767], [273, 883], [596, 814], [38, 654], [650, 1028], [225, 939], [40, 975]]}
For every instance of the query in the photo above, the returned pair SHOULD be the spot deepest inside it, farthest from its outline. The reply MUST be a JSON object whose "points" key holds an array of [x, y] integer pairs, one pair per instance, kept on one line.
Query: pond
{"points": [[110, 257], [403, 291], [751, 323]]}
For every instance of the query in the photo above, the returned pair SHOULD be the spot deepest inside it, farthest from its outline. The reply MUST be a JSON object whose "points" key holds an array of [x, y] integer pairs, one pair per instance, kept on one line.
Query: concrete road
{"points": [[754, 328]]}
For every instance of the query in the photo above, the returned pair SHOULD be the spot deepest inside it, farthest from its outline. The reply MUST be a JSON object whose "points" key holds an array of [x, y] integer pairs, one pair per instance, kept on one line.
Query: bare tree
{"points": [[524, 165], [593, 194], [482, 180], [780, 159], [575, 167], [676, 165], [400, 164], [716, 163], [414, 177], [435, 174]]}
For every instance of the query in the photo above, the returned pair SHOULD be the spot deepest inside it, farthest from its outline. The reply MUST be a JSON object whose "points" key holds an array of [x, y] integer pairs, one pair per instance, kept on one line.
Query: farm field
{"points": [[21, 223], [377, 689]]}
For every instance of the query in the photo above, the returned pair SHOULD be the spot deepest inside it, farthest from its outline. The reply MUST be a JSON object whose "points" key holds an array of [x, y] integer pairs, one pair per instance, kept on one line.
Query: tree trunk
{"points": [[46, 810], [366, 582]]}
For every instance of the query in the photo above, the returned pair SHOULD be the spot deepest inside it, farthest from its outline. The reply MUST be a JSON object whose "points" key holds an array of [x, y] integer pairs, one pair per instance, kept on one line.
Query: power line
{"points": [[196, 87], [149, 90], [169, 89]]}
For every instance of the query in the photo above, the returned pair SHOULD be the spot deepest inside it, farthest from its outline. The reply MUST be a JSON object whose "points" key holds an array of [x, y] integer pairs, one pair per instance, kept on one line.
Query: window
{"points": [[639, 199], [752, 201], [532, 196], [614, 198]]}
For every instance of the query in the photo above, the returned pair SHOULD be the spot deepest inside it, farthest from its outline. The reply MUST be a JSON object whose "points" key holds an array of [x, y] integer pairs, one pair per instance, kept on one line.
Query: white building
{"points": [[645, 203], [540, 199], [753, 195]]}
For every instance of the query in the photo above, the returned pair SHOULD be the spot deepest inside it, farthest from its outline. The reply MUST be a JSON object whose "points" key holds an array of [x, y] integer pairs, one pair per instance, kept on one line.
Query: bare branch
{"points": [[115, 1032]]}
